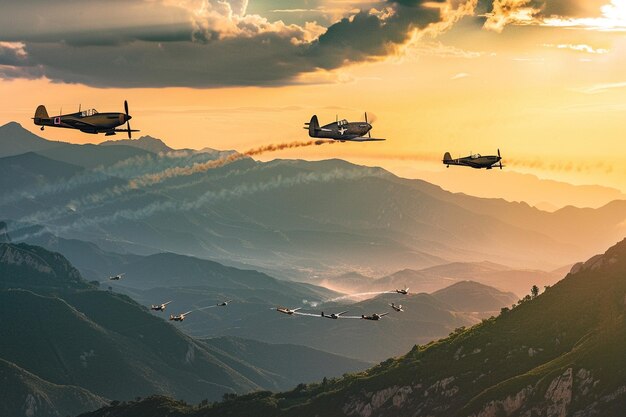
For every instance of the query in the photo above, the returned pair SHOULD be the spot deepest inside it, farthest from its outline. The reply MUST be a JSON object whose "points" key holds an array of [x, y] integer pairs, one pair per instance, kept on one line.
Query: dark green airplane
{"points": [[474, 161], [341, 130], [87, 121]]}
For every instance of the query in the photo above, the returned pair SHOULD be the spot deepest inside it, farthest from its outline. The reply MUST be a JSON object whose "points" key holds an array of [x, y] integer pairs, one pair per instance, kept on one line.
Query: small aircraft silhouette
{"points": [[374, 316], [397, 307], [405, 291], [223, 303], [179, 317], [87, 121], [341, 130], [117, 277], [286, 310], [159, 307], [333, 315], [476, 161]]}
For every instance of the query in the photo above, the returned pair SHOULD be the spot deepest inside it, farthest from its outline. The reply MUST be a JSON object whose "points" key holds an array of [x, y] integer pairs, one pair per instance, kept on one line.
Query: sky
{"points": [[544, 81]]}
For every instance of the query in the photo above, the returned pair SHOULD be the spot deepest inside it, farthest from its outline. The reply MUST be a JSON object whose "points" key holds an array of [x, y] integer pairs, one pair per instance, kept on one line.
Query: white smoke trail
{"points": [[361, 294], [126, 169], [156, 177], [211, 197]]}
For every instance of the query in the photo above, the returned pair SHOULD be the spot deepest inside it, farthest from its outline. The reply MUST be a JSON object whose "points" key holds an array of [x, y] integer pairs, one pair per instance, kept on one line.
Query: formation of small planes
{"points": [[91, 121], [285, 310]]}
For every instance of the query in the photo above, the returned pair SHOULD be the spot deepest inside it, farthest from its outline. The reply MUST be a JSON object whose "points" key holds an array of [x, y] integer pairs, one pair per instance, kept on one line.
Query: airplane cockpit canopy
{"points": [[89, 112], [342, 122], [475, 156]]}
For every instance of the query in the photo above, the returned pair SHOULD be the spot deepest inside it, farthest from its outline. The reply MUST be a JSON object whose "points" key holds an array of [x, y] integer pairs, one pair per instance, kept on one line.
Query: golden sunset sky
{"points": [[544, 81]]}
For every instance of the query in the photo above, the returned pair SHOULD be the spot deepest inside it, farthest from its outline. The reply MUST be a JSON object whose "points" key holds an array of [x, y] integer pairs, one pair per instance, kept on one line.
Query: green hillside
{"points": [[65, 333], [25, 394], [559, 354]]}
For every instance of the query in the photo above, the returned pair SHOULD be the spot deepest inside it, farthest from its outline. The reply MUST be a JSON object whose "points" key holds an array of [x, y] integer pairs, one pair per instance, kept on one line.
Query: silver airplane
{"points": [[397, 307], [286, 310], [223, 303], [159, 307], [333, 315], [117, 277], [179, 317], [374, 316], [404, 291]]}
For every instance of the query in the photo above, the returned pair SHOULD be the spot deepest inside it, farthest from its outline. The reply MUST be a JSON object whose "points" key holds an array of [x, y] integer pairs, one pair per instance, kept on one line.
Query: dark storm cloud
{"points": [[153, 43]]}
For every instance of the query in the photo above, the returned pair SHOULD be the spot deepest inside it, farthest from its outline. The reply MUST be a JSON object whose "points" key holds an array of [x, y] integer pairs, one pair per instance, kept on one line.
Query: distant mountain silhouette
{"points": [[15, 140], [68, 333], [303, 219], [147, 143], [545, 194], [25, 394], [560, 354]]}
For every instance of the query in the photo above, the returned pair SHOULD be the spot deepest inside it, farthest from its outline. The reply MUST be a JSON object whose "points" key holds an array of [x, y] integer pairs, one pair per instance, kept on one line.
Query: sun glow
{"points": [[613, 19]]}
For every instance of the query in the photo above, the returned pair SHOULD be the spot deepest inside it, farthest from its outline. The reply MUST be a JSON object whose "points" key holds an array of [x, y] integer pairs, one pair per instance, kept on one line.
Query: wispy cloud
{"points": [[601, 88], [578, 48], [460, 76]]}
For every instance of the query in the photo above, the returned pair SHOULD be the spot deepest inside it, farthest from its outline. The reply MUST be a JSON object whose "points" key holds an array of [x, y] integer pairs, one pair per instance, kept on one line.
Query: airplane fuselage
{"points": [[96, 123], [486, 162], [343, 131]]}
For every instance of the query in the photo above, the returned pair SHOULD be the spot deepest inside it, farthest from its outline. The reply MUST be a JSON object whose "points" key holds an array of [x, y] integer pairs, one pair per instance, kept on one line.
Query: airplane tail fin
{"points": [[447, 157], [41, 113], [313, 126]]}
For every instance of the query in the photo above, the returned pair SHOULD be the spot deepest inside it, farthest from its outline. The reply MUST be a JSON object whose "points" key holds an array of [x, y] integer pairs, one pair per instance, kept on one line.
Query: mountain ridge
{"points": [[518, 364]]}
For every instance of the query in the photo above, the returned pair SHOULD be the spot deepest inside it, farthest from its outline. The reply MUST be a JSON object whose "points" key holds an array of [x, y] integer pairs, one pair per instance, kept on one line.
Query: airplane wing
{"points": [[166, 303], [126, 130], [296, 309], [363, 139], [343, 312], [189, 312], [383, 314]]}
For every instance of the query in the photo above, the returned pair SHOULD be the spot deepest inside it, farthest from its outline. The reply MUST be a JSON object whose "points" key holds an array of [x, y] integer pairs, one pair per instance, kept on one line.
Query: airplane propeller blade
{"points": [[499, 156], [127, 119]]}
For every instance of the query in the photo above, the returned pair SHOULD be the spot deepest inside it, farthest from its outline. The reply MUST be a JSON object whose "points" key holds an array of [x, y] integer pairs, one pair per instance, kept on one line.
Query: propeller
{"points": [[127, 118], [500, 158], [369, 121]]}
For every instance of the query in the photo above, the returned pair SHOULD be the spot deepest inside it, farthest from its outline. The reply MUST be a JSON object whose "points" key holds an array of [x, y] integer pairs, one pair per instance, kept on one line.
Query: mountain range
{"points": [[73, 347], [293, 219], [560, 353]]}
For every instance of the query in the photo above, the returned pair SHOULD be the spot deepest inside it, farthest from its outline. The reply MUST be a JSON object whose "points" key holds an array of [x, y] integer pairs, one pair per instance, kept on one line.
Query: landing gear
{"points": [[41, 127]]}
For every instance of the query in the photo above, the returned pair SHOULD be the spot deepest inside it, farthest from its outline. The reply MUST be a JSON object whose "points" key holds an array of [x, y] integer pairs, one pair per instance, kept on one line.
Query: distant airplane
{"points": [[333, 315], [341, 130], [374, 316], [117, 277], [179, 317], [405, 291], [87, 121], [286, 310], [159, 307], [476, 161], [223, 303], [397, 307]]}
